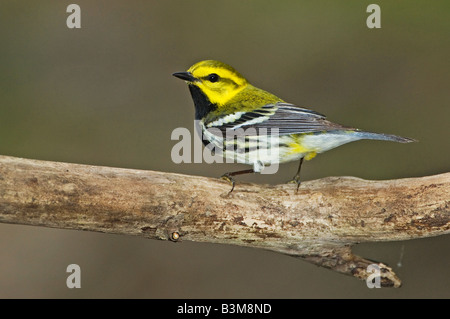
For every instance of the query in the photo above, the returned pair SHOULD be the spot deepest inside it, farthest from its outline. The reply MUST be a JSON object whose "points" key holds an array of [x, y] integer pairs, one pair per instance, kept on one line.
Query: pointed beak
{"points": [[187, 76]]}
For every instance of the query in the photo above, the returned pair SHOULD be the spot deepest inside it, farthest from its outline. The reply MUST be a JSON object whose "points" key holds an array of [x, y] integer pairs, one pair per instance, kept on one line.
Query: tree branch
{"points": [[320, 223]]}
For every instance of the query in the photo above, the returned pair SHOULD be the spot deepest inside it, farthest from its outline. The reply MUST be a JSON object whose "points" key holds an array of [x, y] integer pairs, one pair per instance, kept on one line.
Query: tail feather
{"points": [[384, 137]]}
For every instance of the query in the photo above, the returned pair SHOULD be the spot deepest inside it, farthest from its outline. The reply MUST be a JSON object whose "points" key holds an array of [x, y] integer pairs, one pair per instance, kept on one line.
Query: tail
{"points": [[383, 137]]}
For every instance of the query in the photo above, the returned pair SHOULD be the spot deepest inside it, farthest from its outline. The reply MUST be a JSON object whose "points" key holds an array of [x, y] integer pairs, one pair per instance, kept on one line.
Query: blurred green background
{"points": [[104, 95]]}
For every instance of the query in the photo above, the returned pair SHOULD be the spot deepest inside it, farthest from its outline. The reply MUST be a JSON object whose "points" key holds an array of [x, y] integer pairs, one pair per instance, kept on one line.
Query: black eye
{"points": [[213, 77]]}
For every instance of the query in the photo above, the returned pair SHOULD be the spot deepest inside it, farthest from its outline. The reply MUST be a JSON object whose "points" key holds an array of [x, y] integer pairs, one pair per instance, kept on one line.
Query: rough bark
{"points": [[319, 223]]}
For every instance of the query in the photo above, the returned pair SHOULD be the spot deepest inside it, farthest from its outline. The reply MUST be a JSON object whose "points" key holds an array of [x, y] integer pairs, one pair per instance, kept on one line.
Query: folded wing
{"points": [[287, 118]]}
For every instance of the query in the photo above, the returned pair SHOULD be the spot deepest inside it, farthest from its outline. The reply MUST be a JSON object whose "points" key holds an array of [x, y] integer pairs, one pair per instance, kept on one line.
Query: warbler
{"points": [[225, 102]]}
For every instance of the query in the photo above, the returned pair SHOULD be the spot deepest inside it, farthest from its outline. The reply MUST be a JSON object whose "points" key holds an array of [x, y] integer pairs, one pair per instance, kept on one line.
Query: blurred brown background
{"points": [[104, 95]]}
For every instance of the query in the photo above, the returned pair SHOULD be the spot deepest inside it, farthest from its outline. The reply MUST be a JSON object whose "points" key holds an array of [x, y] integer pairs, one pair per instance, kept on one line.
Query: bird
{"points": [[255, 127]]}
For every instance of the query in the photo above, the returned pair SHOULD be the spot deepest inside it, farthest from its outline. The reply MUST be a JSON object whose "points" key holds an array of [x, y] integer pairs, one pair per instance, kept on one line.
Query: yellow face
{"points": [[218, 81]]}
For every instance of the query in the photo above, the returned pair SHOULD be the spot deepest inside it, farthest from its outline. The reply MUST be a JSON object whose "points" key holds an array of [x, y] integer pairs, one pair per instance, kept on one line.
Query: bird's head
{"points": [[218, 81]]}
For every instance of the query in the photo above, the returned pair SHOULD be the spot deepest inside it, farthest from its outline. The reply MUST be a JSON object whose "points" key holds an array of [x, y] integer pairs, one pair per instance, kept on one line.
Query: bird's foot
{"points": [[296, 180], [227, 177]]}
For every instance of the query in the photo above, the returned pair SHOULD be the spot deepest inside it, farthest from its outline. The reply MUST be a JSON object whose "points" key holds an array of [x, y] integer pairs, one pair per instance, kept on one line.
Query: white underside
{"points": [[271, 153], [327, 141]]}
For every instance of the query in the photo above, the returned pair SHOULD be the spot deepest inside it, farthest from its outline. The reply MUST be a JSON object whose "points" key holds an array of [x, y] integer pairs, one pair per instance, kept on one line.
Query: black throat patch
{"points": [[202, 104]]}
